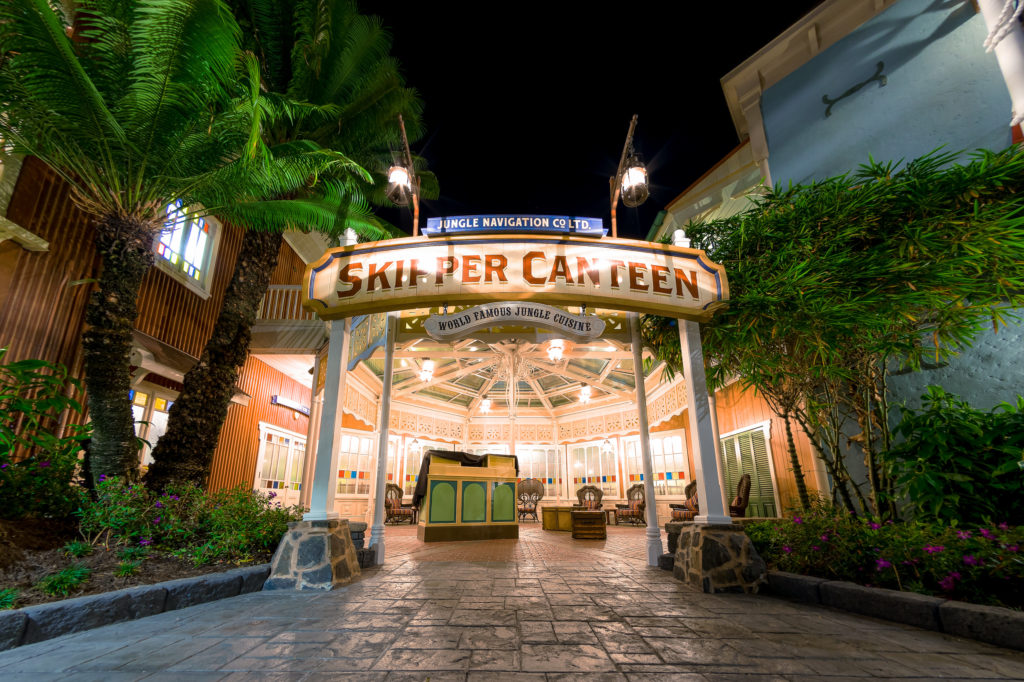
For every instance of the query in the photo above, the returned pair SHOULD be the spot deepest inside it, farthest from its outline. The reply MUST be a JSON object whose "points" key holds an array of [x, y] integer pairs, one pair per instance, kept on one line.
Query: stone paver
{"points": [[544, 608]]}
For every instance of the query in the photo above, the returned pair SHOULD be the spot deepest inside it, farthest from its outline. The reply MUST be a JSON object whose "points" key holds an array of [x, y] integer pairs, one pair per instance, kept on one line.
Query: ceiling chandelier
{"points": [[555, 349], [427, 371], [584, 394]]}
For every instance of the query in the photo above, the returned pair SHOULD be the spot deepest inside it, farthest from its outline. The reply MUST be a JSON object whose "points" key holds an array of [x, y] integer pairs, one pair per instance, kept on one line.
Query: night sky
{"points": [[527, 104]]}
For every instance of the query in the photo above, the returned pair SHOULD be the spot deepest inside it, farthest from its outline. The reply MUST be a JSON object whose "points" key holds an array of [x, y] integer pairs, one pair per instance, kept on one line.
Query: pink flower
{"points": [[963, 534], [971, 560], [157, 519], [873, 526], [787, 549], [825, 537], [947, 583], [103, 477], [158, 505], [815, 548], [797, 519], [882, 563], [1004, 526], [1012, 548], [933, 549], [43, 465], [146, 541], [271, 495], [987, 534]]}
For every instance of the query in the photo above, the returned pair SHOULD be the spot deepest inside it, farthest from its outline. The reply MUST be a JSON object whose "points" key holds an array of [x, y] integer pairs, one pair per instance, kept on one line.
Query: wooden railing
{"points": [[283, 302]]}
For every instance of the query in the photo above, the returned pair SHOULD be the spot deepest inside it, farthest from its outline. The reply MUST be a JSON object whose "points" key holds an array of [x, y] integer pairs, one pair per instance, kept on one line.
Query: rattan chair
{"points": [[531, 491], [633, 511]]}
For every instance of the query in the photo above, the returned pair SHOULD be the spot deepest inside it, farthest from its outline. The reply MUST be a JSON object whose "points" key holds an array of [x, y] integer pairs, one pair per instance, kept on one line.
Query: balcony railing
{"points": [[283, 302]]}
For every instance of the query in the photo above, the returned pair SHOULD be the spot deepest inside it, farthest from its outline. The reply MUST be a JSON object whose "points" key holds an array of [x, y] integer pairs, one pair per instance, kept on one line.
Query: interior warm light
{"points": [[634, 183], [414, 445], [584, 394], [606, 446], [555, 349], [427, 373], [485, 405]]}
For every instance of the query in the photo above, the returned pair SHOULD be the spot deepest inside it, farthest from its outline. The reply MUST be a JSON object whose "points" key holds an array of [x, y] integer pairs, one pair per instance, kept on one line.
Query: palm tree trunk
{"points": [[794, 460], [126, 247], [185, 452]]}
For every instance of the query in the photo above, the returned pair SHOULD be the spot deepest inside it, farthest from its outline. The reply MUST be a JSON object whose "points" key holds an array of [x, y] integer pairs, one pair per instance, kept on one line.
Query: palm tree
{"points": [[143, 103], [335, 60]]}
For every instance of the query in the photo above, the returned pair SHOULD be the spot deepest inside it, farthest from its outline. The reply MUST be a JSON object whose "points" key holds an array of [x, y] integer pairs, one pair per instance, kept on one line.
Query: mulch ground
{"points": [[31, 549]]}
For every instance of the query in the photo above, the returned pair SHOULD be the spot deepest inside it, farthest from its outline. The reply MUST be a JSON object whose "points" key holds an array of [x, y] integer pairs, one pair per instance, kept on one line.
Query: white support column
{"points": [[709, 490], [717, 440], [325, 474], [1010, 56], [653, 531], [377, 529], [316, 403], [703, 422]]}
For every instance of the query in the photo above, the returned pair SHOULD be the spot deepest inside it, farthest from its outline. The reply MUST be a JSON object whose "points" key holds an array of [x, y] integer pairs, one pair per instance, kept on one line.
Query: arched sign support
{"points": [[637, 277]]}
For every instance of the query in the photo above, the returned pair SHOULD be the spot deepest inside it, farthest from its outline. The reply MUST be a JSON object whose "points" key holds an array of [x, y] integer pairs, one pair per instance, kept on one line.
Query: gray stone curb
{"points": [[46, 621], [990, 624]]}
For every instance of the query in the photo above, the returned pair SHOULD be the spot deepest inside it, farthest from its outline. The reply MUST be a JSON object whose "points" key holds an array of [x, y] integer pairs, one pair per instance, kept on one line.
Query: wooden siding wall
{"points": [[740, 409], [234, 461], [290, 267]]}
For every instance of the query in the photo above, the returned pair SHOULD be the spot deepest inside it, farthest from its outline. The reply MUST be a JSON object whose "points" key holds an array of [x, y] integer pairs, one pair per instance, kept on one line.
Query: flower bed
{"points": [[982, 565]]}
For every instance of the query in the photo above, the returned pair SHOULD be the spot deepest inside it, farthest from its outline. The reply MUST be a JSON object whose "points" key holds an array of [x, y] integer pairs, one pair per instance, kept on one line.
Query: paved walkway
{"points": [[545, 609]]}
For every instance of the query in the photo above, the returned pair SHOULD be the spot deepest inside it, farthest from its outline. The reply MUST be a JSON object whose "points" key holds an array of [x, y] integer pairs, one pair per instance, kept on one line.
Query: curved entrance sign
{"points": [[579, 328], [420, 272]]}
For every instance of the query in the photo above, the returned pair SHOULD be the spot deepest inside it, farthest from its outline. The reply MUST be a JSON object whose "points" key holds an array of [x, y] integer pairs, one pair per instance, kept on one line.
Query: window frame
{"points": [[661, 436], [202, 287]]}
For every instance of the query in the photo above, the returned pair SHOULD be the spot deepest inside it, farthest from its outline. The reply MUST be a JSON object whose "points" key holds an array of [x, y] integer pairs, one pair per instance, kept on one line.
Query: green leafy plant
{"points": [[127, 568], [956, 463], [131, 553], [910, 261], [8, 598], [228, 525], [78, 549], [37, 465], [65, 580], [982, 564]]}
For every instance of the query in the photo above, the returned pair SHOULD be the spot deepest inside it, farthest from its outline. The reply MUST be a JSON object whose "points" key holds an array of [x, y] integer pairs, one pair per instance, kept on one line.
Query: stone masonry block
{"points": [[47, 621], [904, 607], [795, 586], [252, 577], [314, 555], [12, 628], [192, 591], [991, 624]]}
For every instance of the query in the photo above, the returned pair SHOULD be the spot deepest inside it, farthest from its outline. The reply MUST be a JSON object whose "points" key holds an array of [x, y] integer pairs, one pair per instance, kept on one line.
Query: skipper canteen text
{"points": [[538, 269]]}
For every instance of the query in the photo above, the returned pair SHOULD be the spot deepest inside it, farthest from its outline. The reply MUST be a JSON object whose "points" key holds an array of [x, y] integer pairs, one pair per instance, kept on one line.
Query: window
{"points": [[540, 462], [356, 464], [414, 449], [149, 410], [668, 457], [281, 457], [590, 464], [185, 248], [749, 452]]}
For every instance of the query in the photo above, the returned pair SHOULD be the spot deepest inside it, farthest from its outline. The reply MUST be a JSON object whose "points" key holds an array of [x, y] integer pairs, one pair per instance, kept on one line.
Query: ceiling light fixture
{"points": [[427, 373], [485, 405], [555, 349], [584, 394]]}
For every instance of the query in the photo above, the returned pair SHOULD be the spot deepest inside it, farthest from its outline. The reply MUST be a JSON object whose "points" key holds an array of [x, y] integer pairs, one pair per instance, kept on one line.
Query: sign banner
{"points": [[514, 223], [419, 272], [579, 328]]}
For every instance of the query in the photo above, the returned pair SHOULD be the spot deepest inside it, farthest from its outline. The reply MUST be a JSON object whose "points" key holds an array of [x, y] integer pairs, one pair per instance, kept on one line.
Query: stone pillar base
{"points": [[718, 558], [314, 555]]}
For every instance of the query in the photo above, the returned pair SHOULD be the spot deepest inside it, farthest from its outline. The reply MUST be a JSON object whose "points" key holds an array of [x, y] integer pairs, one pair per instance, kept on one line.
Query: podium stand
{"points": [[469, 502]]}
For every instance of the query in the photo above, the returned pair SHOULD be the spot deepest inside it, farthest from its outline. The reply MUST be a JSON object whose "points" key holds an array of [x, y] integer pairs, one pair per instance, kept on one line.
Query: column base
{"points": [[718, 558], [314, 555]]}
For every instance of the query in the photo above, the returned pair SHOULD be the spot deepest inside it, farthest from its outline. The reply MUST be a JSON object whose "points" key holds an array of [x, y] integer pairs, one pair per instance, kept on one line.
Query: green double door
{"points": [[747, 453]]}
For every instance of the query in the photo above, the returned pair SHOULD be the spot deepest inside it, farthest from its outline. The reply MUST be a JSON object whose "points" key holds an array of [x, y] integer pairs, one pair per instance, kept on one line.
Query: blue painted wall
{"points": [[942, 89]]}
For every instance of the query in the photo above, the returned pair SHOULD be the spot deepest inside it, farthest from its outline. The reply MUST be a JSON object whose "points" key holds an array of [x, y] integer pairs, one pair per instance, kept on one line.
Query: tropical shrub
{"points": [[227, 525], [959, 463], [37, 465], [983, 565]]}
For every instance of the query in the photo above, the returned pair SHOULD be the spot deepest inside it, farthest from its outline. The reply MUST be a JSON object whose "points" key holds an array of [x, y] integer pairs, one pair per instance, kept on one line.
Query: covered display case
{"points": [[467, 497]]}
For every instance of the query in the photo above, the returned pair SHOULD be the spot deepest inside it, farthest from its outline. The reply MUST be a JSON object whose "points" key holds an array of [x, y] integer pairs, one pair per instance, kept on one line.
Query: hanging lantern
{"points": [[485, 405], [555, 349], [634, 183], [399, 185], [584, 394], [427, 372]]}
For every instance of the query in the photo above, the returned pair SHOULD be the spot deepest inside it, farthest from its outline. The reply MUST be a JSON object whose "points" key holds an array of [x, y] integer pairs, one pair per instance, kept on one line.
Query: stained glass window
{"points": [[185, 241]]}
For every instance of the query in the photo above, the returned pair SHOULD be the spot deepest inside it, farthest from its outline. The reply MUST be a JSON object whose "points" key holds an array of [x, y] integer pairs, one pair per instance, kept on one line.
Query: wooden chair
{"points": [[738, 506], [689, 509], [633, 511], [531, 491], [590, 498], [396, 511]]}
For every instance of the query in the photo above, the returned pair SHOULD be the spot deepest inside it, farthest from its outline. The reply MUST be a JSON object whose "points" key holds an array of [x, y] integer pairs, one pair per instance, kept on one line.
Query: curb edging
{"points": [[990, 624], [45, 621]]}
